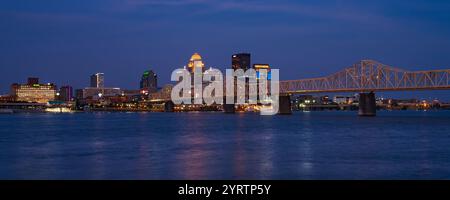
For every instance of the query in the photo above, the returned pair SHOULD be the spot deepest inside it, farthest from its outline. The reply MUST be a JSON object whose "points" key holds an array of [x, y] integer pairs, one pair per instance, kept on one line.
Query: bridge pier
{"points": [[285, 105], [367, 104], [169, 106]]}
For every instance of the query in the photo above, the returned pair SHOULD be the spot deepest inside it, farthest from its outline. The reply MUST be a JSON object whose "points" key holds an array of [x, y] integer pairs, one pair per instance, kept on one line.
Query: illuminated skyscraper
{"points": [[98, 80], [196, 62], [258, 67], [149, 82], [240, 61], [98, 89]]}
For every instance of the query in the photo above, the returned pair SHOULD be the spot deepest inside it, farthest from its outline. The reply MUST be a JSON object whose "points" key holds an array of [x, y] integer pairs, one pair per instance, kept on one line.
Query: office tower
{"points": [[98, 80], [240, 61], [149, 82], [258, 67], [66, 93]]}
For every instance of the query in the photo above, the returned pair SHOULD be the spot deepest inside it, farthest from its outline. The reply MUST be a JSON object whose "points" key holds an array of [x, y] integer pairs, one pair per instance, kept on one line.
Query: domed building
{"points": [[196, 61], [196, 56]]}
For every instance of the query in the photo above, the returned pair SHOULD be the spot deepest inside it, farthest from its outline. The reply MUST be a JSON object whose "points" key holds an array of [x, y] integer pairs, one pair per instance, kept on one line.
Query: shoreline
{"points": [[30, 111]]}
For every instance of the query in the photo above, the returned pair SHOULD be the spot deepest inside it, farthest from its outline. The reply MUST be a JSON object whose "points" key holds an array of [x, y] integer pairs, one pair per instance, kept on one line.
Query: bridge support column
{"points": [[169, 106], [285, 105], [367, 104]]}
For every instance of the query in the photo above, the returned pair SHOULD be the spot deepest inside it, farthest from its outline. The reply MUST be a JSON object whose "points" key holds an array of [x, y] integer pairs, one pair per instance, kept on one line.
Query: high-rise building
{"points": [[149, 82], [98, 80], [258, 67], [97, 88], [33, 91], [240, 61], [66, 93], [196, 62]]}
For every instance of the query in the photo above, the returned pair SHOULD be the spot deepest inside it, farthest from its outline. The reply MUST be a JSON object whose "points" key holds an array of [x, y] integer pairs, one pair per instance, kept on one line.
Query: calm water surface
{"points": [[306, 145]]}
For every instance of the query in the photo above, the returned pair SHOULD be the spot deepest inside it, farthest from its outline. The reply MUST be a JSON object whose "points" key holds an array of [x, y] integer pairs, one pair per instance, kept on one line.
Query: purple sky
{"points": [[64, 41]]}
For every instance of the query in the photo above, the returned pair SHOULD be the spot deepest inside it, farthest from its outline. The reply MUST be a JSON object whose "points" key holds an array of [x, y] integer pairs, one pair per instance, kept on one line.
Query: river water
{"points": [[305, 145]]}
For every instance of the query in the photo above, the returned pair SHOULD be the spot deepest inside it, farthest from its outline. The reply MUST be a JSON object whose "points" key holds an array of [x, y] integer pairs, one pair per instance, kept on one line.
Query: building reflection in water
{"points": [[145, 149], [98, 147], [266, 156], [306, 167], [239, 156], [193, 157], [40, 154], [253, 148]]}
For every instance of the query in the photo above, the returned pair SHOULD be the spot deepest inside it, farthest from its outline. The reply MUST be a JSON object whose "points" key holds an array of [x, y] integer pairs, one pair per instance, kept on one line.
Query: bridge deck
{"points": [[370, 76]]}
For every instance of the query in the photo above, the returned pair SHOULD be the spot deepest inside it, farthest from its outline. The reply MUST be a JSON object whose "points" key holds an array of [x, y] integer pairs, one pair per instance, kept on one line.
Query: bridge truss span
{"points": [[370, 76]]}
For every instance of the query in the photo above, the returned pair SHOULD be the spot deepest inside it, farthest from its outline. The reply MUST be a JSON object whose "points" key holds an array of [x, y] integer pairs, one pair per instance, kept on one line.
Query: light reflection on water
{"points": [[314, 145]]}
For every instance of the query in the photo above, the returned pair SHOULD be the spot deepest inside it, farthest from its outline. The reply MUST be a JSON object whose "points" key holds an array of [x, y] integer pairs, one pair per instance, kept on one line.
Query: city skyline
{"points": [[68, 41], [262, 90], [96, 82]]}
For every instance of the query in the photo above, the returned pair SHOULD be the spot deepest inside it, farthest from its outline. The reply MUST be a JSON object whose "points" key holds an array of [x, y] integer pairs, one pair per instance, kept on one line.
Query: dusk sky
{"points": [[65, 41]]}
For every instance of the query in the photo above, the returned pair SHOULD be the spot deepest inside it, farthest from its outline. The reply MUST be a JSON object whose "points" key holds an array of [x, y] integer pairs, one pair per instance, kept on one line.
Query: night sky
{"points": [[65, 41]]}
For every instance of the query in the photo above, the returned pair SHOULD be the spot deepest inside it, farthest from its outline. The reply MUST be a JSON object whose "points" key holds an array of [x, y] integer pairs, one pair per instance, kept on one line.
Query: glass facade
{"points": [[98, 80], [240, 61]]}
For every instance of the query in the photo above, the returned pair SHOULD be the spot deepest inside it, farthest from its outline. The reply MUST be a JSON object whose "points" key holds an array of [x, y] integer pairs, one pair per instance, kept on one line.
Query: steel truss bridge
{"points": [[370, 76]]}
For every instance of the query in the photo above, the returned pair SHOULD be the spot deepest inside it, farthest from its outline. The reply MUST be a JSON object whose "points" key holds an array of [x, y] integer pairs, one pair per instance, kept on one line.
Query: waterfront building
{"points": [[240, 61], [163, 93], [134, 95], [98, 80], [33, 91], [97, 93], [325, 99], [65, 93], [97, 89], [149, 82], [6, 98], [338, 99], [302, 101]]}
